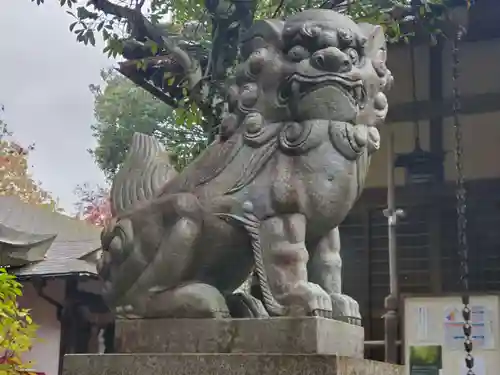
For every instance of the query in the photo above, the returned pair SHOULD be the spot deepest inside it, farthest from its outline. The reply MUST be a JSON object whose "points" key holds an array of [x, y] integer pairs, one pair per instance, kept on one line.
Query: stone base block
{"points": [[223, 364], [272, 335]]}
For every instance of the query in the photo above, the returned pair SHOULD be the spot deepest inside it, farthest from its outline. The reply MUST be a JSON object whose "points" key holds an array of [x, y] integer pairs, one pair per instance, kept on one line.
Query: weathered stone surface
{"points": [[269, 193], [272, 335], [223, 364], [233, 347]]}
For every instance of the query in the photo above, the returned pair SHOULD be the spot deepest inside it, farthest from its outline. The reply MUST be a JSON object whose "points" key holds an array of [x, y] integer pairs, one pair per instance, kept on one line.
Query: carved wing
{"points": [[146, 169]]}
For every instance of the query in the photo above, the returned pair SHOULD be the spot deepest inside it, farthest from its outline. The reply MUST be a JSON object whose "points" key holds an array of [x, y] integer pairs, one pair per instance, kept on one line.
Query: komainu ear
{"points": [[376, 42], [262, 34]]}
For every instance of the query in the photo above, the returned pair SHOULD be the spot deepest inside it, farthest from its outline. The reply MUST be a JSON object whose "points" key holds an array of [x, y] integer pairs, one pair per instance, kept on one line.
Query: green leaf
{"points": [[84, 13], [91, 37], [72, 26], [154, 48]]}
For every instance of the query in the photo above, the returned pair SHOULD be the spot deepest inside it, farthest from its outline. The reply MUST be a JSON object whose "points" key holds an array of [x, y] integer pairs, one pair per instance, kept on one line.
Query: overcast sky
{"points": [[44, 78]]}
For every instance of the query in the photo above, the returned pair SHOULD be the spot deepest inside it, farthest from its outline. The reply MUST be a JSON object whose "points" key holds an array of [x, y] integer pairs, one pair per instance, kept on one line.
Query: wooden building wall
{"points": [[426, 238], [480, 90], [426, 246]]}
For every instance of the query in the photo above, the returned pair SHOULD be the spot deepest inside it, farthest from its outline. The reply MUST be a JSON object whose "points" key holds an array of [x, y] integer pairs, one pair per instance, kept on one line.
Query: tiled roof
{"points": [[58, 267], [75, 238]]}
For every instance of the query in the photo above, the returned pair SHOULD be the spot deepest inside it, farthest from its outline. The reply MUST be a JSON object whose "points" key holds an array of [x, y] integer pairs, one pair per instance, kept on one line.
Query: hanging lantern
{"points": [[421, 166]]}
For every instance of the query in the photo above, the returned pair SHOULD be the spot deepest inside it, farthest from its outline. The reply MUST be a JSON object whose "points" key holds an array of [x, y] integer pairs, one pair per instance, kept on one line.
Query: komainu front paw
{"points": [[345, 309], [309, 299]]}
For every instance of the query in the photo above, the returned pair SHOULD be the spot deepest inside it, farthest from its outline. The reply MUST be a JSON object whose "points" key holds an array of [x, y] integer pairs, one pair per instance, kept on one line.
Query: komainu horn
{"points": [[268, 195]]}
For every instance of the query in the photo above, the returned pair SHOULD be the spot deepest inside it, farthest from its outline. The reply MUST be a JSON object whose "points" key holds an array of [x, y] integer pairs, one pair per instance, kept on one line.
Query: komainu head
{"points": [[316, 65]]}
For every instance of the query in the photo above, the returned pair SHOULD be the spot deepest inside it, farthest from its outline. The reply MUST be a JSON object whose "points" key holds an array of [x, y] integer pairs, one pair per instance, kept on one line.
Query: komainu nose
{"points": [[331, 59]]}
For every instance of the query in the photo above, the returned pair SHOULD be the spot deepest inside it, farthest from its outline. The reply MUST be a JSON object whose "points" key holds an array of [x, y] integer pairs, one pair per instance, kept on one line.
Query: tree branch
{"points": [[277, 11], [142, 28], [139, 5]]}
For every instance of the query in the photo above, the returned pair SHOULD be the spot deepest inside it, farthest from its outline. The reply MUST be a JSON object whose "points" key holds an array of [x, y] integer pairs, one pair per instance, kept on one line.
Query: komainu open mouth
{"points": [[302, 85]]}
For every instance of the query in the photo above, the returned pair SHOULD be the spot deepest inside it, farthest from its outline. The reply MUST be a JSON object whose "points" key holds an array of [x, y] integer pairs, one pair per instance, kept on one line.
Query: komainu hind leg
{"points": [[145, 271], [325, 269]]}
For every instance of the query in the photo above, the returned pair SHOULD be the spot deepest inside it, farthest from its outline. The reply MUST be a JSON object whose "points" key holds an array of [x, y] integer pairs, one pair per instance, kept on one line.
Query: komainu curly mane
{"points": [[261, 113]]}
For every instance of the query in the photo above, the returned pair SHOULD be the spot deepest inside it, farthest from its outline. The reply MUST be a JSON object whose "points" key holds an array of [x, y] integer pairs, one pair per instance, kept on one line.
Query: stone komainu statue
{"points": [[268, 194]]}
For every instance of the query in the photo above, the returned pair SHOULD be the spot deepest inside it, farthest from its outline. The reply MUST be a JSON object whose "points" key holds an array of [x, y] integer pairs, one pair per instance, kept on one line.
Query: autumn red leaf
{"points": [[93, 204]]}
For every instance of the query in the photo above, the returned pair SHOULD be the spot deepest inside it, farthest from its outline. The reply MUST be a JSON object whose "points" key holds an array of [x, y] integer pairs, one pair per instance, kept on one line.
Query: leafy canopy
{"points": [[122, 108], [183, 51], [197, 40]]}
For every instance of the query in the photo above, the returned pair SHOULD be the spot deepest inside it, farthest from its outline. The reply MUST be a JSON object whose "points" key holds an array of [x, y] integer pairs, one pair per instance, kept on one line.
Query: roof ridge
{"points": [[61, 217]]}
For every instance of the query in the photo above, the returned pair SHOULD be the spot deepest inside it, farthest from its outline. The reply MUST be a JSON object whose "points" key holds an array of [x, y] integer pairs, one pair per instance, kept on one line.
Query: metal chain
{"points": [[461, 206]]}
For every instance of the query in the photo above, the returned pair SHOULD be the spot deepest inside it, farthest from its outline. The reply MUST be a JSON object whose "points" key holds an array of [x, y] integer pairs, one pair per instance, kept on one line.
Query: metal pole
{"points": [[391, 302]]}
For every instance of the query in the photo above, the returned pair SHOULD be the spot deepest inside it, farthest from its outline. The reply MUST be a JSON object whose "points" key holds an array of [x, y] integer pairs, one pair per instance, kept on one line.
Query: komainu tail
{"points": [[251, 223], [145, 170]]}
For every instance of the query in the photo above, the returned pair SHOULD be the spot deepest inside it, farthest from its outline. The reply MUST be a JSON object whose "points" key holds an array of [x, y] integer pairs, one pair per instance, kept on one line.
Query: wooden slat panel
{"points": [[418, 272], [355, 260], [412, 253]]}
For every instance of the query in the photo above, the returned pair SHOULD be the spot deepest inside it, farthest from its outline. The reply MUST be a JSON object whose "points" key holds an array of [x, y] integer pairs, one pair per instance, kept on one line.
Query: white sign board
{"points": [[482, 330]]}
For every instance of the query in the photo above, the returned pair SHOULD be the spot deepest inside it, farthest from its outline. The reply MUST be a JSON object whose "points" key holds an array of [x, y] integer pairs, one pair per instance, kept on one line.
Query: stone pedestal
{"points": [[292, 346], [224, 364], [274, 335]]}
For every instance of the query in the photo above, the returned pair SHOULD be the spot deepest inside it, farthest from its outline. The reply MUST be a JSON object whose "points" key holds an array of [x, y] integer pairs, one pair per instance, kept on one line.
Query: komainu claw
{"points": [[319, 313]]}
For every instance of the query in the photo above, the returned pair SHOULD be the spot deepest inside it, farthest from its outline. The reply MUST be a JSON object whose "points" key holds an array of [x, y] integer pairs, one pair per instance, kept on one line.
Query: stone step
{"points": [[223, 364], [271, 335]]}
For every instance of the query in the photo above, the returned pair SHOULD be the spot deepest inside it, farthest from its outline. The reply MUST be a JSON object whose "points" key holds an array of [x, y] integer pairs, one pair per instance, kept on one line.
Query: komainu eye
{"points": [[353, 55]]}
